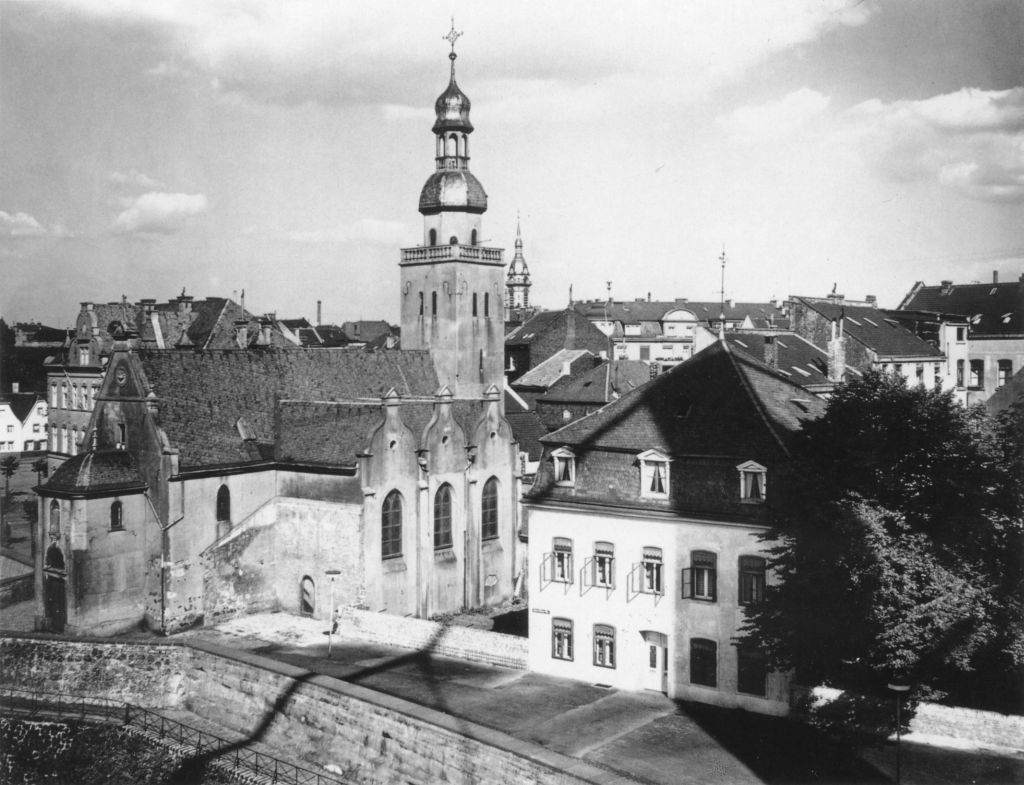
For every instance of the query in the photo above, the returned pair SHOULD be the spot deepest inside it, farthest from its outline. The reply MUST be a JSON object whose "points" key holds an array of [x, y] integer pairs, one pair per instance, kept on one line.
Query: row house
{"points": [[986, 321], [646, 524], [22, 422]]}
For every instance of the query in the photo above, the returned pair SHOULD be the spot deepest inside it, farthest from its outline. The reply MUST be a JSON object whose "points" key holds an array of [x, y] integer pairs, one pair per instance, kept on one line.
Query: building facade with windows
{"points": [[644, 532], [213, 482], [23, 425]]}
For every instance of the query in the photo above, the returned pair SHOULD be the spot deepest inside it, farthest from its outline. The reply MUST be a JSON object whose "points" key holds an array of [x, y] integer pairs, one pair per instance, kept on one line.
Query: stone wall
{"points": [[149, 675], [17, 589], [467, 643]]}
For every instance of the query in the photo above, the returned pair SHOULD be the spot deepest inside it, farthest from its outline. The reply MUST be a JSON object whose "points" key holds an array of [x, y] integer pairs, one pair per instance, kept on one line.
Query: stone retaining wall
{"points": [[468, 643], [17, 589]]}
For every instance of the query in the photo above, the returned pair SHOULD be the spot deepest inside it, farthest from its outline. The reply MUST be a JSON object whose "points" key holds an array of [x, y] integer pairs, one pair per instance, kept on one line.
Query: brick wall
{"points": [[467, 643]]}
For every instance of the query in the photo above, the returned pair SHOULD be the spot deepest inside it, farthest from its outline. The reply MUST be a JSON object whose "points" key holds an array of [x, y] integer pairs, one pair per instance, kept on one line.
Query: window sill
{"points": [[394, 564], [491, 545], [444, 555]]}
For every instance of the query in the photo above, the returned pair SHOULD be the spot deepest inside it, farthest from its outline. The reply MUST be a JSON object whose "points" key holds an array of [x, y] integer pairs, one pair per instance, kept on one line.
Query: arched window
{"points": [[489, 510], [443, 517], [421, 303], [433, 236], [391, 526], [116, 519], [487, 303], [54, 518], [223, 504], [474, 303], [451, 145], [307, 596], [472, 237], [433, 303]]}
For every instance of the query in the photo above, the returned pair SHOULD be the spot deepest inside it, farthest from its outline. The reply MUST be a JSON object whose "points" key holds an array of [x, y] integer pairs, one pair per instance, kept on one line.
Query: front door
{"points": [[55, 601], [656, 677]]}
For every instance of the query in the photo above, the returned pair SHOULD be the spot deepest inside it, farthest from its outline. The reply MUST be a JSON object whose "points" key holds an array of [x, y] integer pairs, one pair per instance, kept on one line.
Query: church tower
{"points": [[451, 285], [517, 283]]}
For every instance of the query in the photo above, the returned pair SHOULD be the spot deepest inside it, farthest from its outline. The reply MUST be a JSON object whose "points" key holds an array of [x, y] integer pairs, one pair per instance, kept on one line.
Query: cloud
{"points": [[971, 141], [135, 178], [347, 53], [159, 213], [20, 225], [782, 117]]}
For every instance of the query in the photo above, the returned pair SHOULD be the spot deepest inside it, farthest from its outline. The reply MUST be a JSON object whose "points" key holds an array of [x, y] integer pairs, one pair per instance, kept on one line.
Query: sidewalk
{"points": [[645, 736]]}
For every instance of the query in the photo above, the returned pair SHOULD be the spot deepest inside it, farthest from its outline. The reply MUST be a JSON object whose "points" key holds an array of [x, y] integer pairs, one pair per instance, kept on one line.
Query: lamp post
{"points": [[332, 574], [900, 690]]}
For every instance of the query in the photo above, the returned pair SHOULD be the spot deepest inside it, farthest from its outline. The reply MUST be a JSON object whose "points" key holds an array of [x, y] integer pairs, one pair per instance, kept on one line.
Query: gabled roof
{"points": [[551, 370], [599, 385], [533, 327], [21, 403], [528, 430], [202, 395], [798, 359], [990, 308], [869, 326], [719, 402], [95, 473]]}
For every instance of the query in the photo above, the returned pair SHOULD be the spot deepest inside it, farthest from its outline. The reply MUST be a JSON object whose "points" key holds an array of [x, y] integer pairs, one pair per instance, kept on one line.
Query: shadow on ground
{"points": [[515, 622]]}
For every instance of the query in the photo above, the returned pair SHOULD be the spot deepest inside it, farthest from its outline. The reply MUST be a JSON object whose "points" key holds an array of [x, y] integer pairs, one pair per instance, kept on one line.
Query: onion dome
{"points": [[453, 189], [452, 109]]}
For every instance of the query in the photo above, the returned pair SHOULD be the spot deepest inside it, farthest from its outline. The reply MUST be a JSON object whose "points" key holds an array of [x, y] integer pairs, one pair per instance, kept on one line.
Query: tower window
{"points": [[433, 303], [433, 236], [224, 504], [116, 517], [474, 303], [421, 303], [487, 303], [472, 237]]}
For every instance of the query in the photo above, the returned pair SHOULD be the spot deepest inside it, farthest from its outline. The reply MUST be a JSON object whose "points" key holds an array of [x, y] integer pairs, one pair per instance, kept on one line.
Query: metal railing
{"points": [[198, 743]]}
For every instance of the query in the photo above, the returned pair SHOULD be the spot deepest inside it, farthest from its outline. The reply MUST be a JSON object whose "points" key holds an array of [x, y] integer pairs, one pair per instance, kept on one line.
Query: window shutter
{"points": [[713, 579], [686, 581]]}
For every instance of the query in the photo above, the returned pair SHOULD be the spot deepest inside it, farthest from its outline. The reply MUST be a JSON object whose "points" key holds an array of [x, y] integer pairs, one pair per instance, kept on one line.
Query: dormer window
{"points": [[753, 482], [565, 466], [654, 474]]}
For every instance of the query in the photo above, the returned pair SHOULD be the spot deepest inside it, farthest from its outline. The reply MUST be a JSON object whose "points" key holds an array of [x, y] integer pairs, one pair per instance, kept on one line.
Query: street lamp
{"points": [[332, 574], [900, 690]]}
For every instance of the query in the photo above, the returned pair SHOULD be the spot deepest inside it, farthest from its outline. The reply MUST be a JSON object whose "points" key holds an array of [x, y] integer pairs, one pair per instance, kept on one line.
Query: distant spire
{"points": [[721, 313]]}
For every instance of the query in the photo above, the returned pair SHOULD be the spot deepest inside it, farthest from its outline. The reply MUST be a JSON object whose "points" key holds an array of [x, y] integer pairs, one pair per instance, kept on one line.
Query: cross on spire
{"points": [[452, 37]]}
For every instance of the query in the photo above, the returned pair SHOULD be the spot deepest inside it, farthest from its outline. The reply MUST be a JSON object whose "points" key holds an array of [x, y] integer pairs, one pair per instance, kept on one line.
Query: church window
{"points": [[472, 237], [487, 303], [224, 504], [391, 526], [489, 510], [54, 558], [443, 517], [474, 303], [433, 236], [116, 517], [421, 303], [433, 303]]}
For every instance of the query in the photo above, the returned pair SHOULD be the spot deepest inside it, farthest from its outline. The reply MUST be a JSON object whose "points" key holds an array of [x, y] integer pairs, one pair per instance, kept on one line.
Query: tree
{"points": [[898, 546], [39, 466], [9, 466]]}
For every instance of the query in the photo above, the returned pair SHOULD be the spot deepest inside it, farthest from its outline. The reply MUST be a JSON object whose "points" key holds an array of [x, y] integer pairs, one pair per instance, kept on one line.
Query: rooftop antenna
{"points": [[721, 314]]}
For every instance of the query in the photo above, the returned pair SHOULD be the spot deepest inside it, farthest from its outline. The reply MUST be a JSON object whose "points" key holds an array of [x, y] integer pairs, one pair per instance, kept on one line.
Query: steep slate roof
{"points": [[869, 326], [992, 308], [799, 360], [331, 434], [21, 403], [551, 370], [528, 430], [95, 473], [202, 395], [533, 327], [719, 402], [598, 384]]}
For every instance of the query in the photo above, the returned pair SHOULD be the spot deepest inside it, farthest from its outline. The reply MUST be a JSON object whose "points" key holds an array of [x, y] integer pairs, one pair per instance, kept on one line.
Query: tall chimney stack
{"points": [[995, 276], [319, 317], [837, 354], [771, 352]]}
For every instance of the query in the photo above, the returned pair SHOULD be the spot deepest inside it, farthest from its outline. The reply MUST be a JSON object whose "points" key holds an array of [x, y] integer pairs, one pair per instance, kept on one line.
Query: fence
{"points": [[196, 743]]}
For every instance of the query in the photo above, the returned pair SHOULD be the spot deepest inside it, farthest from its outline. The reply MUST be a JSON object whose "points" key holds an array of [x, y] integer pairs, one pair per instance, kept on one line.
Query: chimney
{"points": [[946, 287], [242, 333], [871, 299], [771, 352], [15, 387], [319, 320], [570, 329], [87, 306], [184, 303], [995, 276], [836, 355], [648, 297], [265, 328], [836, 298], [147, 304]]}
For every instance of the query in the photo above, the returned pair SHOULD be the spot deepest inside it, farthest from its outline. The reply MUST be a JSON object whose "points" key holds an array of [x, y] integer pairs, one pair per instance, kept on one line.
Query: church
{"points": [[217, 482]]}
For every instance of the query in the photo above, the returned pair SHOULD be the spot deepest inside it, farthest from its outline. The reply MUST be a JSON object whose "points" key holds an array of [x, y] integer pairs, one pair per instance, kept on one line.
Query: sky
{"points": [[280, 147]]}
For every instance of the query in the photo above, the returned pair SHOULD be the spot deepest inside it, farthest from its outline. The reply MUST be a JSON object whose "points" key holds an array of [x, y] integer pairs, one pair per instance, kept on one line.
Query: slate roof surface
{"points": [[202, 395], [799, 360], [597, 384], [991, 308], [550, 371], [21, 403], [869, 326], [528, 430], [330, 434], [96, 472], [716, 403], [534, 326]]}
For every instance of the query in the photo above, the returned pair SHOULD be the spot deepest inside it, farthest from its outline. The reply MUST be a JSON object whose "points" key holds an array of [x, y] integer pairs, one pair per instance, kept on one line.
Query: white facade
{"points": [[659, 639], [18, 436]]}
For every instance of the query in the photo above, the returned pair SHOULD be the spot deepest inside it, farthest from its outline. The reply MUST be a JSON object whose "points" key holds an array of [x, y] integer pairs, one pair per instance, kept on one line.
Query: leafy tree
{"points": [[898, 546], [9, 467], [41, 469]]}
